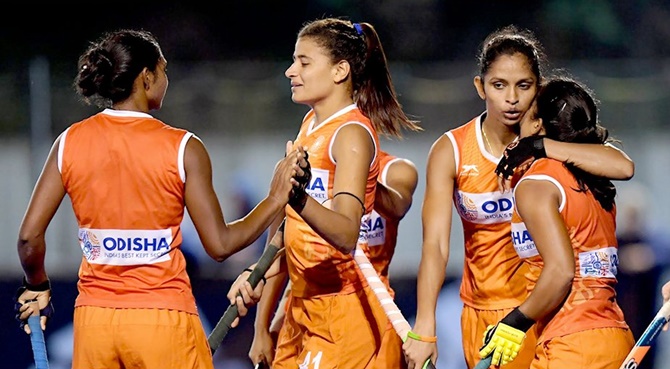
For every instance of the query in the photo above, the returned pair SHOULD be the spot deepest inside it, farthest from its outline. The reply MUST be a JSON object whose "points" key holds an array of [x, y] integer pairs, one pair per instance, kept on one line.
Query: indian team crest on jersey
{"points": [[601, 263], [484, 208], [523, 243], [318, 186]]}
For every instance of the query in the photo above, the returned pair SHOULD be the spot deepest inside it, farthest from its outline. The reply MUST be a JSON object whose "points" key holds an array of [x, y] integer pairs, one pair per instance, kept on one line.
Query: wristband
{"points": [[44, 286], [418, 337], [265, 281], [518, 320]]}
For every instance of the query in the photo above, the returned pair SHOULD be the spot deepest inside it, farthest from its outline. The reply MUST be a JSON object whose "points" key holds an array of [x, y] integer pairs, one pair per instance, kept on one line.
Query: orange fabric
{"points": [[592, 299], [331, 331], [492, 273], [390, 353], [138, 338], [314, 266], [382, 233], [604, 348], [475, 322], [123, 172]]}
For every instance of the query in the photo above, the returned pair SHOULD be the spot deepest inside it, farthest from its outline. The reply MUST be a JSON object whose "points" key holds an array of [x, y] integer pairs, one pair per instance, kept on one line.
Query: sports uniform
{"points": [[124, 173], [493, 280], [589, 329], [332, 317], [382, 237]]}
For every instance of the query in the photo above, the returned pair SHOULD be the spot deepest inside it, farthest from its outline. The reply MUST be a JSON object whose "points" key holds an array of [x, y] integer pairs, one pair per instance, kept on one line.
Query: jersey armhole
{"points": [[61, 150], [544, 177], [180, 155], [454, 147], [332, 141]]}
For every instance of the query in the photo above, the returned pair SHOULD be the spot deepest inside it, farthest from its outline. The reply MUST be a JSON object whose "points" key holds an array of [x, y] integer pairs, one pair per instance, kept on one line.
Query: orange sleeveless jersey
{"points": [[315, 267], [124, 174], [382, 233], [493, 275], [592, 300]]}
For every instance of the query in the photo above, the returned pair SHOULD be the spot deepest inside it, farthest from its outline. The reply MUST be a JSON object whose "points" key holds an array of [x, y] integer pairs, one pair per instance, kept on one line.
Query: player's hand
{"points": [[504, 339], [286, 171], [666, 297], [518, 155], [243, 295], [24, 298], [417, 352], [262, 347], [299, 195]]}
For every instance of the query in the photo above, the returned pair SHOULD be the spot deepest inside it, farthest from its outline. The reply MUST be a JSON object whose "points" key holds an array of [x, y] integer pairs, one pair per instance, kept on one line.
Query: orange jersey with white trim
{"points": [[382, 233], [315, 267], [492, 273], [124, 173], [591, 302]]}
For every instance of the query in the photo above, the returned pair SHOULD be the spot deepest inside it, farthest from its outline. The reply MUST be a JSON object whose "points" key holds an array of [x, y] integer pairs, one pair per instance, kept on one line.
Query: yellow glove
{"points": [[504, 339]]}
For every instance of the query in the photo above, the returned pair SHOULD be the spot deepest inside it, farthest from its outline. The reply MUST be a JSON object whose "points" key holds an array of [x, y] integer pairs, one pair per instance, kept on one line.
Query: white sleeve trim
{"points": [[180, 157], [61, 149], [332, 141], [454, 146], [544, 177], [385, 170]]}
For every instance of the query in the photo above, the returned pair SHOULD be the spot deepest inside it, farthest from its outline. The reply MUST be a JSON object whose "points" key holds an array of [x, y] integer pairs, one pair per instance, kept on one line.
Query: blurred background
{"points": [[227, 85]]}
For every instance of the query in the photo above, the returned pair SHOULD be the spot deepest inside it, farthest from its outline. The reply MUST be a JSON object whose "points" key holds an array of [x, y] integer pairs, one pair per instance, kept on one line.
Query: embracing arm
{"points": [[601, 160], [538, 204], [44, 203], [353, 151], [394, 198], [221, 239]]}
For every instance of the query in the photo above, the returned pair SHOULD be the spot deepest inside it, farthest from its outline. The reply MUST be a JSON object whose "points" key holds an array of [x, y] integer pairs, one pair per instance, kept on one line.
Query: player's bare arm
{"points": [[436, 220], [538, 205], [602, 160], [353, 151]]}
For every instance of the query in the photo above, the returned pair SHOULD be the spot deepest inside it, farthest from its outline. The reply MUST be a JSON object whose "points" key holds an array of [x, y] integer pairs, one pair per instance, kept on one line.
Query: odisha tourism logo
{"points": [[89, 245]]}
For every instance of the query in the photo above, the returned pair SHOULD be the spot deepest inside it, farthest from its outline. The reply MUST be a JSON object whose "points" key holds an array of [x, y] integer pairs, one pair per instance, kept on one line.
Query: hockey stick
{"points": [[484, 363], [37, 341], [392, 311], [643, 344], [264, 262]]}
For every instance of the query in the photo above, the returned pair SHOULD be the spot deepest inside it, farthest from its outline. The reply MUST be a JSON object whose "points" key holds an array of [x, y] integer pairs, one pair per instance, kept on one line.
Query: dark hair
{"points": [[510, 40], [569, 113], [108, 68], [359, 45]]}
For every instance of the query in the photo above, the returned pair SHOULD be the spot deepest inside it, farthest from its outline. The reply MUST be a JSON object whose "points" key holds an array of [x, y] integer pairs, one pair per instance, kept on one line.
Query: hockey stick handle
{"points": [[484, 363], [392, 310], [264, 262], [37, 341], [643, 344]]}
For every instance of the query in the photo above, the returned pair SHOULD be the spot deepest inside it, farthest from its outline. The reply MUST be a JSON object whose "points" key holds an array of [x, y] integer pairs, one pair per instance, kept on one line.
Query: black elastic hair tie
{"points": [[265, 281], [352, 195]]}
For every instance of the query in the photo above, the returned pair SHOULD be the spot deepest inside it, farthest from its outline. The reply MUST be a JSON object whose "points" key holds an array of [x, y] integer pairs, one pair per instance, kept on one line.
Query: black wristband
{"points": [[518, 320], [44, 286], [298, 200], [265, 281]]}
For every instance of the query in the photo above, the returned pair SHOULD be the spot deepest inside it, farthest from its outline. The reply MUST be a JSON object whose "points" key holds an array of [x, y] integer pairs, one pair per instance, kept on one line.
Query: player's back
{"points": [[125, 176]]}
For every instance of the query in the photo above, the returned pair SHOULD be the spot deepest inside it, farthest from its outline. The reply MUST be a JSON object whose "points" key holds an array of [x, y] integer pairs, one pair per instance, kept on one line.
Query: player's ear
{"points": [[479, 86], [341, 71]]}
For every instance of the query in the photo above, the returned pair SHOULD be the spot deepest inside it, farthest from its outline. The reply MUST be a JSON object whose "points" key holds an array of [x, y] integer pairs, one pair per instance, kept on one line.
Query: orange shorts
{"points": [[474, 323], [603, 348], [333, 331], [138, 338], [390, 353]]}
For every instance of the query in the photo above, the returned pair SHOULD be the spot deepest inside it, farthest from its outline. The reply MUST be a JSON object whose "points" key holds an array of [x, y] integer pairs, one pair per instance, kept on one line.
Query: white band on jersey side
{"points": [[180, 156], [544, 177]]}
